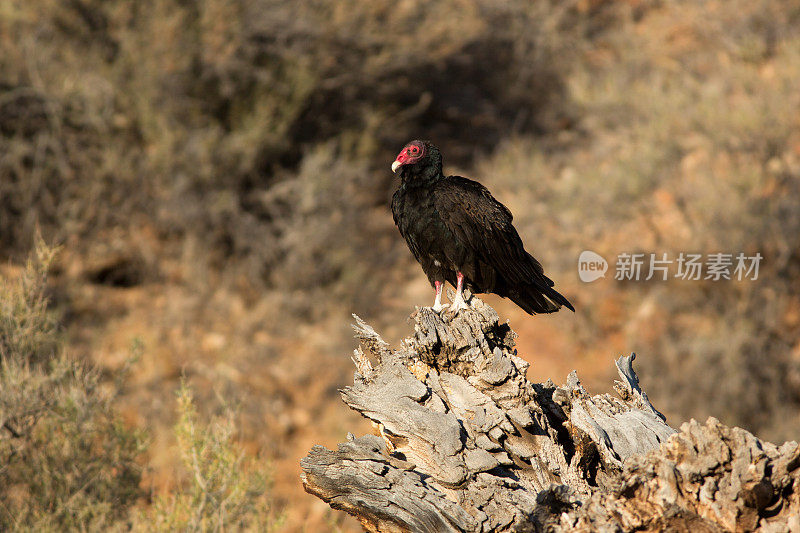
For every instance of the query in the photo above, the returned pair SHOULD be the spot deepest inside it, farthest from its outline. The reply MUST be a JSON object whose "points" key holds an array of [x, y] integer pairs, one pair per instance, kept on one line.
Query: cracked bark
{"points": [[466, 443]]}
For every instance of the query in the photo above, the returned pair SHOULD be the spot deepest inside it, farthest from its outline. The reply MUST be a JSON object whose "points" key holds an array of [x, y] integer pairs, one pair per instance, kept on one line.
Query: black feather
{"points": [[454, 224]]}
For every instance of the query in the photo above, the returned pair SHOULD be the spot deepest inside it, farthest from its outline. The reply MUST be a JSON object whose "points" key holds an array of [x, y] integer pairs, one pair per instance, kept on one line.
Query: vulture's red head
{"points": [[420, 157], [410, 154]]}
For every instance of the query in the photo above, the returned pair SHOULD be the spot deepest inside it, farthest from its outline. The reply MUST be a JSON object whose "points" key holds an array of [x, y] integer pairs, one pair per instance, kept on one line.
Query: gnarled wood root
{"points": [[467, 443]]}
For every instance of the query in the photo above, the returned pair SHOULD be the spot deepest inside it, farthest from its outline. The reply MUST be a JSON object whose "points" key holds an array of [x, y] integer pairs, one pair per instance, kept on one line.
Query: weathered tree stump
{"points": [[467, 443]]}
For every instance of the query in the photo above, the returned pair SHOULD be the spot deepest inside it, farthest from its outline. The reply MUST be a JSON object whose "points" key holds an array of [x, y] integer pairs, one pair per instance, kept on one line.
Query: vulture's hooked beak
{"points": [[395, 166]]}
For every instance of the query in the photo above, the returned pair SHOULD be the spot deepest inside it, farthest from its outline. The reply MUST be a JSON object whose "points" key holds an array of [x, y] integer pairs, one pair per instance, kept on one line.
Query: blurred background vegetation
{"points": [[216, 174]]}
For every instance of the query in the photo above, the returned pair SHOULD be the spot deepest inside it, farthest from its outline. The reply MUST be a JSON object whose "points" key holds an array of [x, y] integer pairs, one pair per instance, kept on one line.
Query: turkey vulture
{"points": [[460, 234]]}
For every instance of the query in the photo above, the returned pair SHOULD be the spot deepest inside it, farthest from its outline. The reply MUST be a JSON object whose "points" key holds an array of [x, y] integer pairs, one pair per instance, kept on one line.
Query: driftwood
{"points": [[466, 443]]}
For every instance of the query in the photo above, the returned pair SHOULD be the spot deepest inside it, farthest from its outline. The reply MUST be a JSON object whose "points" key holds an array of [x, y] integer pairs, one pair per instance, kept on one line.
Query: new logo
{"points": [[591, 266]]}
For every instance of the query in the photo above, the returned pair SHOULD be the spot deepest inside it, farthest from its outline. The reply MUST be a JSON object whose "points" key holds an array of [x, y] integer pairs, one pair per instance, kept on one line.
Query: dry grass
{"points": [[191, 121]]}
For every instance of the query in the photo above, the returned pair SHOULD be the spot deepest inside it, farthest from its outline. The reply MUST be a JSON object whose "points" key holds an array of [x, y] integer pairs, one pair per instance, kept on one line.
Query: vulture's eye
{"points": [[414, 150]]}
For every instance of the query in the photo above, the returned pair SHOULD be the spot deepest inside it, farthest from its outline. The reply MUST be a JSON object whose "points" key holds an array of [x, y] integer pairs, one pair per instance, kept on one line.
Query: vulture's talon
{"points": [[459, 304]]}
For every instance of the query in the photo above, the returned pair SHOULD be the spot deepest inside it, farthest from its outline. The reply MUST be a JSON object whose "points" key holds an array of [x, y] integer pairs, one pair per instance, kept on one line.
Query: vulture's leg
{"points": [[437, 303], [458, 302]]}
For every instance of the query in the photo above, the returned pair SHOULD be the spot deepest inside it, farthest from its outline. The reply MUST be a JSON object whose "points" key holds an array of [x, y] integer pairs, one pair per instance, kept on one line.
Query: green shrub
{"points": [[67, 460], [225, 489]]}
